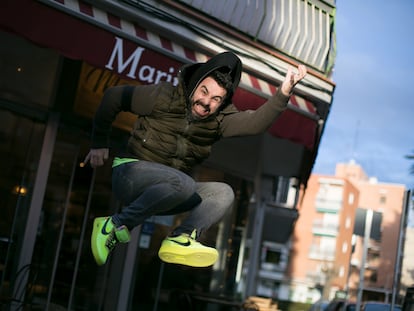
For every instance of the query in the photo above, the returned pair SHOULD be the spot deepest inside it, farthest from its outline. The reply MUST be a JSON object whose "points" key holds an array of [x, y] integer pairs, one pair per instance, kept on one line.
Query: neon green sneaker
{"points": [[185, 250], [104, 238]]}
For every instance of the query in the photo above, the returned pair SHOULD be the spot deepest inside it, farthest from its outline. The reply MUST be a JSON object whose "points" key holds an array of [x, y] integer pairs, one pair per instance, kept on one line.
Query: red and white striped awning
{"points": [[60, 24], [130, 29]]}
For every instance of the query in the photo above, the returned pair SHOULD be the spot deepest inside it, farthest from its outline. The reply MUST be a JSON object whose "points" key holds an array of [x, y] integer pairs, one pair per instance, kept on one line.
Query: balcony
{"points": [[318, 253], [321, 228], [323, 205]]}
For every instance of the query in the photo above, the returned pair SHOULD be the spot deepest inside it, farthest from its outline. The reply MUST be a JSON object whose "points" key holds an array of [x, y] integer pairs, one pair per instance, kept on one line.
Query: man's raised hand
{"points": [[292, 78]]}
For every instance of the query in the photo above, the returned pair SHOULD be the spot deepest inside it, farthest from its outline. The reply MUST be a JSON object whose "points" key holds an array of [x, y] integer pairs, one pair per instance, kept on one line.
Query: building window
{"points": [[383, 196], [344, 247], [351, 198], [329, 196], [341, 272], [322, 248], [348, 222]]}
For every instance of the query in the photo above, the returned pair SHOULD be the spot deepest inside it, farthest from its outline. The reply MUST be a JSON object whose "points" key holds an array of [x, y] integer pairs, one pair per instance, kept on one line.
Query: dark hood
{"points": [[193, 74]]}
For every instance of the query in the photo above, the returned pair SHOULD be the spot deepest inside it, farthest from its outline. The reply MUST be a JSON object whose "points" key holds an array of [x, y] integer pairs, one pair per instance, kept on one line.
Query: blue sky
{"points": [[372, 115]]}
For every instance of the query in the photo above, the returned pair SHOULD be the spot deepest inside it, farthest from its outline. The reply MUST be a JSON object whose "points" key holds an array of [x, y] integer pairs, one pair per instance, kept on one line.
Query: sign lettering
{"points": [[144, 72]]}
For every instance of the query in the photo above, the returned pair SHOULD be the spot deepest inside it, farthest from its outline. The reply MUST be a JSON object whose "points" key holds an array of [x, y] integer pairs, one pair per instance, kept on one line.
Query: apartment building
{"points": [[387, 201], [327, 255], [322, 240]]}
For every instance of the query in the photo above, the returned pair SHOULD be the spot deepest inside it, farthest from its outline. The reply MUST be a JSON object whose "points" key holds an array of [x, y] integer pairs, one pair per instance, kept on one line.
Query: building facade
{"points": [[322, 240], [387, 202], [57, 59], [328, 255]]}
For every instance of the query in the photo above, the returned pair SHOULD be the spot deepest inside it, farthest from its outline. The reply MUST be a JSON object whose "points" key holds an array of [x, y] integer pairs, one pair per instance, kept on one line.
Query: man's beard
{"points": [[195, 117], [200, 103]]}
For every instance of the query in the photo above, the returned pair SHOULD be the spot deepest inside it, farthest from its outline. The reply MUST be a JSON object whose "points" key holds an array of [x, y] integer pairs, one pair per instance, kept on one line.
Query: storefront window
{"points": [[28, 72], [20, 147], [62, 272]]}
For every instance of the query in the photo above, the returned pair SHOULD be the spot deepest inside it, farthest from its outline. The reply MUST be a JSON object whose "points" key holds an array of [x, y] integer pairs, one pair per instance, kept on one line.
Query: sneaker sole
{"points": [[194, 259], [95, 250]]}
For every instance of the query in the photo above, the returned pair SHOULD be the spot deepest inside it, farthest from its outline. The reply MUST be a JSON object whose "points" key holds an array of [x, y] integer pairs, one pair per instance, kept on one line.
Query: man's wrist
{"points": [[286, 90]]}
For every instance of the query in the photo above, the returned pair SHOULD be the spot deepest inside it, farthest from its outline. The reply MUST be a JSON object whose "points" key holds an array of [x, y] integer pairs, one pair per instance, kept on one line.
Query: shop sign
{"points": [[124, 66], [145, 73]]}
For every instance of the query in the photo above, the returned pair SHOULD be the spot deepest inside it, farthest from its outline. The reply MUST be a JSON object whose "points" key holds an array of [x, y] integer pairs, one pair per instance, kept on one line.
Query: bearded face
{"points": [[207, 99]]}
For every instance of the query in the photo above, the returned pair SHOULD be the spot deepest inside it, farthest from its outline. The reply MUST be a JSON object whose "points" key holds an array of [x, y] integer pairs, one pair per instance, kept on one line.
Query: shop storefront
{"points": [[58, 57]]}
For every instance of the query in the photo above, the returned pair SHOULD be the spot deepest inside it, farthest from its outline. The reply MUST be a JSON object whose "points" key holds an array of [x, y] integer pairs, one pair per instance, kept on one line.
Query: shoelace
{"points": [[111, 241]]}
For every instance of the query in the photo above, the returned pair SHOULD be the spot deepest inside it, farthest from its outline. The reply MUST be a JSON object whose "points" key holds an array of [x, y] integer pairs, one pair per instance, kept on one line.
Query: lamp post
{"points": [[368, 224]]}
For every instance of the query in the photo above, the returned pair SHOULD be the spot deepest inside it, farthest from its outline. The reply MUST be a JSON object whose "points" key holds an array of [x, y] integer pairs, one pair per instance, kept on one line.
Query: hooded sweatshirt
{"points": [[164, 131]]}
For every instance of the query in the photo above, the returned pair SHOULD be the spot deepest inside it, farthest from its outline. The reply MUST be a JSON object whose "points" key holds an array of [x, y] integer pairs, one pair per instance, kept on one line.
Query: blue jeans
{"points": [[147, 189]]}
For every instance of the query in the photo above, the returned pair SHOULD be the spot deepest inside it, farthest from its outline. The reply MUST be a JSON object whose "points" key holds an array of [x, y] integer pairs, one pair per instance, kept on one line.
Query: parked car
{"points": [[408, 304], [379, 306], [320, 305], [341, 305]]}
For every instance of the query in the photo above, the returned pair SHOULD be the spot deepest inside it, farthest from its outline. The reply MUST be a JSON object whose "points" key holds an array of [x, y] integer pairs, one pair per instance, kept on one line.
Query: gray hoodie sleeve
{"points": [[252, 122]]}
